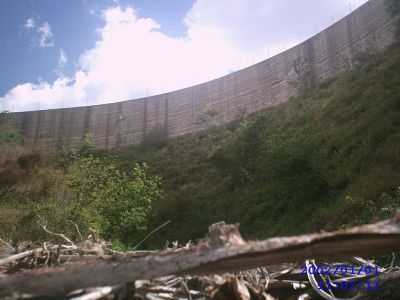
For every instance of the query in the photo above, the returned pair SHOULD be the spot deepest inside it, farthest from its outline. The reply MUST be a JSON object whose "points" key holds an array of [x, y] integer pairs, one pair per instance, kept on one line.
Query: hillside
{"points": [[327, 159]]}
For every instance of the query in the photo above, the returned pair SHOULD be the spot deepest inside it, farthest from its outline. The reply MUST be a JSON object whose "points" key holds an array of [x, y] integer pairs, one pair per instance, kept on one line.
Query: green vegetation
{"points": [[83, 190], [325, 160], [115, 203], [328, 159]]}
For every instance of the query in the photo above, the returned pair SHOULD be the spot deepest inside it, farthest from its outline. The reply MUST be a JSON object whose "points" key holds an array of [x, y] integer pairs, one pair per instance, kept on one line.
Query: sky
{"points": [[83, 52]]}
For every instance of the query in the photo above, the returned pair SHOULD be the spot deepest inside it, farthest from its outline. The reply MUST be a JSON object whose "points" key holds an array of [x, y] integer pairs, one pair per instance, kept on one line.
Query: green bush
{"points": [[115, 203]]}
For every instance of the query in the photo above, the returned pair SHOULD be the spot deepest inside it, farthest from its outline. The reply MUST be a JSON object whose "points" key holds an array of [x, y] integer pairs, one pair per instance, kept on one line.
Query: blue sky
{"points": [[73, 30], [78, 52]]}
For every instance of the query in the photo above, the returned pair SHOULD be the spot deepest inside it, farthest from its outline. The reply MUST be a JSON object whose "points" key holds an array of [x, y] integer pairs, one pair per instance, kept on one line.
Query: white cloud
{"points": [[62, 59], [45, 35], [30, 23], [133, 57], [42, 32], [257, 26]]}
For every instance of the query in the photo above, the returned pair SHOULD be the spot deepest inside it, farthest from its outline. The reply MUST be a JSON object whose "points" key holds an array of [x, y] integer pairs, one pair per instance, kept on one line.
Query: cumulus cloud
{"points": [[133, 57], [45, 35], [260, 27]]}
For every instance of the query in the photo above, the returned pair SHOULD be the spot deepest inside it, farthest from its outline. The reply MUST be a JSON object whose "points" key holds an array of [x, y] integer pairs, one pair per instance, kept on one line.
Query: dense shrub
{"points": [[115, 203], [91, 192]]}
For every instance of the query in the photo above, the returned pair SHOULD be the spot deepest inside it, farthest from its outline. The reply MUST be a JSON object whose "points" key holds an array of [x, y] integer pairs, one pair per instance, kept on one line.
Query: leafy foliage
{"points": [[91, 192], [116, 203]]}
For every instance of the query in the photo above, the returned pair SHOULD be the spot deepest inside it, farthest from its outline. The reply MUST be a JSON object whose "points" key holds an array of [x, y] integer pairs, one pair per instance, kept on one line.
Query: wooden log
{"points": [[367, 240]]}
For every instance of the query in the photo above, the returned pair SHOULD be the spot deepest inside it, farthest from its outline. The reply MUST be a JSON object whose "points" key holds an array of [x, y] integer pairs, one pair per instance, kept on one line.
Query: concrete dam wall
{"points": [[268, 83]]}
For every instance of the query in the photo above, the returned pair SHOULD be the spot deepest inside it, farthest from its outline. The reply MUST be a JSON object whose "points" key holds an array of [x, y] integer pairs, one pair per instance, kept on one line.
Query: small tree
{"points": [[116, 203]]}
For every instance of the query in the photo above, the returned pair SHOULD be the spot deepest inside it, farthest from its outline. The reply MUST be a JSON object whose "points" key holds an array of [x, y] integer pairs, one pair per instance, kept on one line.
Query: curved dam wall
{"points": [[271, 82]]}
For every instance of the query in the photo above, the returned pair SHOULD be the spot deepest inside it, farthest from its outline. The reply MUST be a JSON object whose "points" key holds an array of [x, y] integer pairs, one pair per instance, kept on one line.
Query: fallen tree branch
{"points": [[230, 254], [18, 256], [60, 235], [97, 293], [77, 230], [151, 233]]}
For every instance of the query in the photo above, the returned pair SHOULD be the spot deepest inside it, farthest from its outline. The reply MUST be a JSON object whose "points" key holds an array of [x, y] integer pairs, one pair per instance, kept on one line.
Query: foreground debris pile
{"points": [[223, 266]]}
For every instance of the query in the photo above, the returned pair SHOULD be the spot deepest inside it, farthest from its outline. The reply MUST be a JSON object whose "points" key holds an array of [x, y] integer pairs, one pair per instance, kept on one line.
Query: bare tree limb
{"points": [[18, 256], [60, 235], [97, 293], [77, 230], [151, 233]]}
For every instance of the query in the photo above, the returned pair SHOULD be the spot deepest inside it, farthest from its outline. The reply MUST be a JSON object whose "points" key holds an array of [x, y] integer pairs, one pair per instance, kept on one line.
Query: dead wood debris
{"points": [[221, 267]]}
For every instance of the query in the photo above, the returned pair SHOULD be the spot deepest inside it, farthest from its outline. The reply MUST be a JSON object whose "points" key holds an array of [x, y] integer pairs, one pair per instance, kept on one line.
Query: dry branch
{"points": [[225, 251], [97, 293], [60, 235], [18, 256]]}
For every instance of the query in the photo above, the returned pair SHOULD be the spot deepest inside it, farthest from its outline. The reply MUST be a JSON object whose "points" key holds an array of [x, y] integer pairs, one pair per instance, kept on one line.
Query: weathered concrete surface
{"points": [[271, 82]]}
